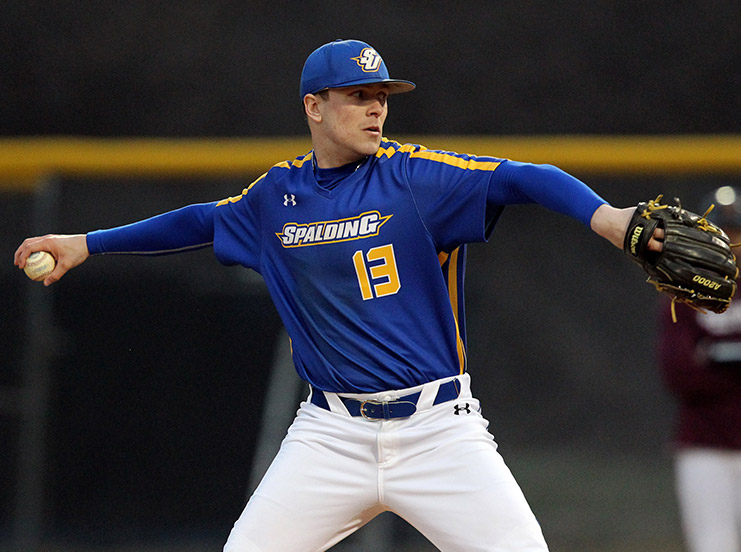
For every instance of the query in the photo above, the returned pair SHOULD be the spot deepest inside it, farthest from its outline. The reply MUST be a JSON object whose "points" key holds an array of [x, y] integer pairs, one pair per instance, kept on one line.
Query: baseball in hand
{"points": [[39, 264]]}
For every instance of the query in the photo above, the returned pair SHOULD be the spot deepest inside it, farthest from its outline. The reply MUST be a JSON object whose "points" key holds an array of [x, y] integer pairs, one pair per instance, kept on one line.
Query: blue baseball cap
{"points": [[347, 63]]}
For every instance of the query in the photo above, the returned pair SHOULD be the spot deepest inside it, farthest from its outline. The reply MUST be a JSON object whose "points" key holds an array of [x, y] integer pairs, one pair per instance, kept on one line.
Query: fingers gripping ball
{"points": [[696, 265], [39, 265]]}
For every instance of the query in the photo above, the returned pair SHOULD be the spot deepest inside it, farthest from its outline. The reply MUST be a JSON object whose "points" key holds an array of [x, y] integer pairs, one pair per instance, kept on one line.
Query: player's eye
{"points": [[365, 96]]}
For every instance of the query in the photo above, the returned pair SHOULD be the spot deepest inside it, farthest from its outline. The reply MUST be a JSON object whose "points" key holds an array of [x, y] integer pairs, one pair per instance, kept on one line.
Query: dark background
{"points": [[160, 365], [231, 68]]}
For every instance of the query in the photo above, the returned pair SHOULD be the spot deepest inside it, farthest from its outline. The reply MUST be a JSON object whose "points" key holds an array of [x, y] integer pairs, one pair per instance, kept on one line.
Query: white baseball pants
{"points": [[709, 490], [438, 469]]}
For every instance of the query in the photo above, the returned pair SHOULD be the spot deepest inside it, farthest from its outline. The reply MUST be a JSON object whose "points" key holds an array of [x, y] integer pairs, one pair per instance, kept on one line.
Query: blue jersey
{"points": [[355, 271], [367, 276]]}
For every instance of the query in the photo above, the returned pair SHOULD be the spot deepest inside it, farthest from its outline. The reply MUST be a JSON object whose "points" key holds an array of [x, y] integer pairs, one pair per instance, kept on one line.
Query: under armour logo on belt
{"points": [[289, 199], [462, 408]]}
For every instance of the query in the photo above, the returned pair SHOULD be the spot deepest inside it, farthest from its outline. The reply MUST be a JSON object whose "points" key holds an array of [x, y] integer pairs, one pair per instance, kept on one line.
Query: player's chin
{"points": [[371, 143]]}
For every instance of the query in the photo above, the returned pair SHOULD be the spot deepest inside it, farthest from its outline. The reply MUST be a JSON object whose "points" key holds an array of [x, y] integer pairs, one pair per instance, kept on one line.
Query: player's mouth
{"points": [[374, 130]]}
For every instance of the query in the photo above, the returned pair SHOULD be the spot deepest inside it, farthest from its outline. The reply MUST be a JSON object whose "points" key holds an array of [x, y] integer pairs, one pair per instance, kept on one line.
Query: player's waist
{"points": [[399, 403]]}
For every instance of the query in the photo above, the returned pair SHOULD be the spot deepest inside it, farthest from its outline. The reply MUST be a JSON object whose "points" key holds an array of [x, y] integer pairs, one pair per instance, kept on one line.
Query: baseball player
{"points": [[361, 243], [700, 361]]}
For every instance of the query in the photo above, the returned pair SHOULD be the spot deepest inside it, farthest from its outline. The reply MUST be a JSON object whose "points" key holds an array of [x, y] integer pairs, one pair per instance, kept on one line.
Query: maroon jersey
{"points": [[700, 360]]}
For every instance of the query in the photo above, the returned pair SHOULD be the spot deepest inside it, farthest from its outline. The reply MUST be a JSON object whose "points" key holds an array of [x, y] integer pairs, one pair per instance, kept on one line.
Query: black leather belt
{"points": [[403, 407]]}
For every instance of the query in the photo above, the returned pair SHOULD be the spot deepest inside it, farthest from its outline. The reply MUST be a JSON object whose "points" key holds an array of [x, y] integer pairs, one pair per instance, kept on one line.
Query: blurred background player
{"points": [[700, 360]]}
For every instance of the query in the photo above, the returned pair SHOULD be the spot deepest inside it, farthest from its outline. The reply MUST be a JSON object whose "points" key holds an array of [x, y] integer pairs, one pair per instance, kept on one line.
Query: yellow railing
{"points": [[24, 160]]}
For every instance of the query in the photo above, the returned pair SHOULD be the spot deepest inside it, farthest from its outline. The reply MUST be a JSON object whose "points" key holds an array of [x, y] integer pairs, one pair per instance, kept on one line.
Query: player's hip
{"points": [[396, 403]]}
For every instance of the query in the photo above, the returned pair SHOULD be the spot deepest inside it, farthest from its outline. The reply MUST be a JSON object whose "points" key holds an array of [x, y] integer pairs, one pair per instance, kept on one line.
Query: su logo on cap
{"points": [[369, 60]]}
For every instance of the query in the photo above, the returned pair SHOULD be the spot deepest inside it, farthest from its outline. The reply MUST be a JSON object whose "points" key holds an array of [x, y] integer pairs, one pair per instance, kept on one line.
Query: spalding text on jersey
{"points": [[364, 225]]}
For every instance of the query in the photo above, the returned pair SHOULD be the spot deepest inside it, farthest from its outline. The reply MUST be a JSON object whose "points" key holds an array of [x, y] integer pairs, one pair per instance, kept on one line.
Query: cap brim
{"points": [[396, 86], [400, 86]]}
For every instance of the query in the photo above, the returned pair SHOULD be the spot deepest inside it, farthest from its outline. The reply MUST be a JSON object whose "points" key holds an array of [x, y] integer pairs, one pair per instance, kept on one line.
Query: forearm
{"points": [[184, 229], [191, 227], [557, 190], [612, 223]]}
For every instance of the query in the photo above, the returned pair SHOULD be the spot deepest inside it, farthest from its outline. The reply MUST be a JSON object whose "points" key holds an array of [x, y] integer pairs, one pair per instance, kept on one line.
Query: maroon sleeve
{"points": [[684, 367]]}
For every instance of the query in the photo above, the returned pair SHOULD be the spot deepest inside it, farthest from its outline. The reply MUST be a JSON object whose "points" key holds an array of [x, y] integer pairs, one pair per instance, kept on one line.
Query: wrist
{"points": [[611, 223]]}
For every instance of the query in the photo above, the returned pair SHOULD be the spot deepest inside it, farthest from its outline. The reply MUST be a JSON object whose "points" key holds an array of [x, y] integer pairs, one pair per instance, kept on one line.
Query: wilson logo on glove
{"points": [[634, 239]]}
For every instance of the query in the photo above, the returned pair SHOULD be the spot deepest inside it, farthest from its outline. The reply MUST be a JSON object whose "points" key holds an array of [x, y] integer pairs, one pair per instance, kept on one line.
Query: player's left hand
{"points": [[695, 264], [656, 243]]}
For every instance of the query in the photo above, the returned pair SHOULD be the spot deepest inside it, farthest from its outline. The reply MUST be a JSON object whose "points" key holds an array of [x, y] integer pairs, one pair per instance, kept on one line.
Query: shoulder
{"points": [[290, 169], [277, 173], [390, 148]]}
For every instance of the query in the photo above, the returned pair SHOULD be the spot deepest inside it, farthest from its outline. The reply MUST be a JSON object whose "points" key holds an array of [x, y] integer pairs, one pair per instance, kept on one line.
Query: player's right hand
{"points": [[69, 251]]}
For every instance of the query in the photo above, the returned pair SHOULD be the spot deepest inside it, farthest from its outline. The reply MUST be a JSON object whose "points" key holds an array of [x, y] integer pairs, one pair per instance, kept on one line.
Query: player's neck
{"points": [[323, 161], [330, 153], [347, 168]]}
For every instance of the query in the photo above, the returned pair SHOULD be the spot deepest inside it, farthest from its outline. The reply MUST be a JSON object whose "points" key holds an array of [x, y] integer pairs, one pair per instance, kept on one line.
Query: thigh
{"points": [[705, 492], [320, 487], [455, 488]]}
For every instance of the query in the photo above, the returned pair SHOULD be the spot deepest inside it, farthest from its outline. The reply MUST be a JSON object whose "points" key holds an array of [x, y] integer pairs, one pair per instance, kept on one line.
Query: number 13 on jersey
{"points": [[376, 271]]}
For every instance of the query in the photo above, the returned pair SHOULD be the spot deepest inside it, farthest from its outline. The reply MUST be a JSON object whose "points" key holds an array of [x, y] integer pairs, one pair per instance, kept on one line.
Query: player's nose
{"points": [[377, 107]]}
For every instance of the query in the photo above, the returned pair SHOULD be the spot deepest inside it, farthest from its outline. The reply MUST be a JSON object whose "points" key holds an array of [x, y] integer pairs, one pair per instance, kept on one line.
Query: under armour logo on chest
{"points": [[289, 199], [462, 408]]}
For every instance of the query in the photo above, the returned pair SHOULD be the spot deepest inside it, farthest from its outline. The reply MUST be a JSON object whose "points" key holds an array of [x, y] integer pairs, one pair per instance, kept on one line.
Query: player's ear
{"points": [[311, 108]]}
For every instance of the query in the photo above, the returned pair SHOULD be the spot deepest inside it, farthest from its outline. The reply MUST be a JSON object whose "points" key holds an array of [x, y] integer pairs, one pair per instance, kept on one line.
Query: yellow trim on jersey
{"points": [[298, 163], [396, 147], [455, 161], [239, 197], [453, 295], [452, 159], [453, 281]]}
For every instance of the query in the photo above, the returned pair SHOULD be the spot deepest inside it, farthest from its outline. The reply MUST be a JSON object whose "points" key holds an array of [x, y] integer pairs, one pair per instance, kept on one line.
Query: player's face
{"points": [[351, 124]]}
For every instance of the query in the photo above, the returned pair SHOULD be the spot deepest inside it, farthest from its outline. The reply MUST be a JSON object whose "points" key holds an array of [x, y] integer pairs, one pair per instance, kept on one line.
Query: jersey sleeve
{"points": [[237, 228], [231, 225], [461, 196], [450, 192], [185, 229], [514, 182]]}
